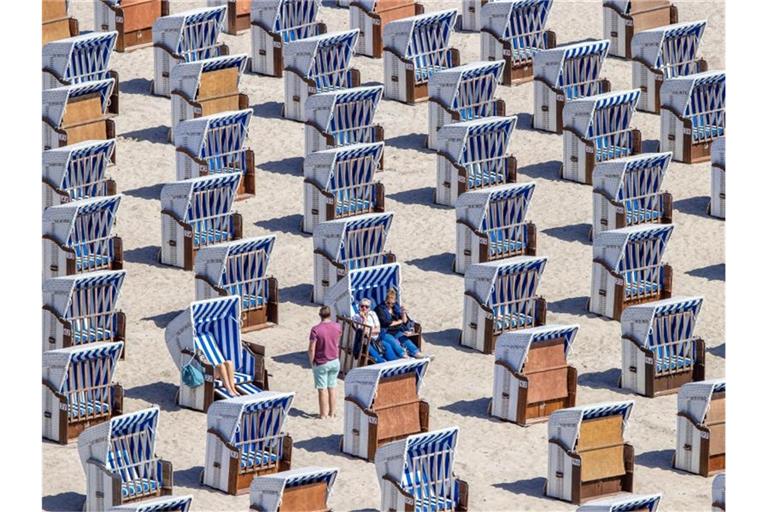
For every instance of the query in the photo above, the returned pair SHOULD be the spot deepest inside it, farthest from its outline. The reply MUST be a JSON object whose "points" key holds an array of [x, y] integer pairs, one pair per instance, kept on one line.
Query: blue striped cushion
{"points": [[90, 334], [348, 206], [252, 301], [139, 486], [673, 363], [255, 457], [511, 321], [498, 246], [91, 261], [86, 408], [210, 236]]}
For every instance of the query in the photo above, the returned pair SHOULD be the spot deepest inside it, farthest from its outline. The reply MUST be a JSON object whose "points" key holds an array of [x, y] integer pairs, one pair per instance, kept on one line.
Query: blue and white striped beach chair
{"points": [[717, 184], [317, 64], [81, 59], [463, 93], [627, 192], [700, 447], [78, 391], [416, 473], [275, 23], [623, 19], [246, 438], [78, 238], [57, 22], [514, 31], [82, 309], [207, 334], [500, 296], [531, 374], [472, 155], [597, 129], [624, 503], [120, 463], [296, 490], [346, 244], [371, 16], [131, 19], [196, 213], [215, 145], [588, 454], [206, 87], [718, 493], [340, 183], [168, 504], [661, 53], [490, 225], [78, 171], [564, 74], [240, 268], [627, 268], [382, 403], [692, 115], [186, 36], [414, 49], [341, 118], [77, 113], [659, 351]]}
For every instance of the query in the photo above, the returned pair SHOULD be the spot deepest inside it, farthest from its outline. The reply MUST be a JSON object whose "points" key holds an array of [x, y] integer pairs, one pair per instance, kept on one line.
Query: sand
{"points": [[504, 464]]}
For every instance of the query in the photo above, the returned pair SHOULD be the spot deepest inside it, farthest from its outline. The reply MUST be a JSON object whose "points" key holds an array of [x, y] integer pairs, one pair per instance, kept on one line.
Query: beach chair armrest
{"points": [[637, 343], [221, 291], [455, 116], [287, 450], [117, 395], [424, 415], [392, 480], [550, 39], [183, 95], [698, 426], [454, 57], [54, 391], [357, 403], [494, 35], [517, 375], [220, 439], [192, 156], [462, 500], [166, 473]]}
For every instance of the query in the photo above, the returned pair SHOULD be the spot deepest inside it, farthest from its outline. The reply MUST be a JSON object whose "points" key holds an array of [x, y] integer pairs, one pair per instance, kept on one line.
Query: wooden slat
{"points": [[55, 30], [716, 412], [397, 390], [399, 421], [305, 498], [218, 83], [600, 433], [140, 14], [548, 385], [602, 463], [543, 356], [54, 10]]}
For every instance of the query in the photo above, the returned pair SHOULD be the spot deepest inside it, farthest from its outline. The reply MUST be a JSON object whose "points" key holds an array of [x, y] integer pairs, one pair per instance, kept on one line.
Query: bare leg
{"points": [[322, 397], [332, 402], [222, 373], [231, 372]]}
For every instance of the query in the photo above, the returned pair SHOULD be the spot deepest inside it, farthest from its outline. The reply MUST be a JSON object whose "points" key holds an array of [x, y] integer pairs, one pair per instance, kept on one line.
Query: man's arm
{"points": [[311, 347]]}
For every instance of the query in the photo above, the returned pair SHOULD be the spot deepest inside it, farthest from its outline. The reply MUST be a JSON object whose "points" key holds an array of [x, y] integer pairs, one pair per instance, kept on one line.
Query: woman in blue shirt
{"points": [[394, 324]]}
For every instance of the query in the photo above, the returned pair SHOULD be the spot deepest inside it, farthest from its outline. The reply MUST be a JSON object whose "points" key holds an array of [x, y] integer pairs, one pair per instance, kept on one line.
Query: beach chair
{"points": [[623, 503], [692, 115], [490, 225], [564, 74], [700, 445], [500, 296], [623, 19], [371, 16], [197, 213], [276, 23], [659, 352], [207, 87], [317, 64], [414, 49], [345, 244], [186, 36], [78, 391], [342, 118], [238, 18], [57, 23], [240, 268], [597, 129], [78, 238], [718, 493], [76, 113], [463, 93], [627, 192], [382, 403], [416, 473], [514, 31], [473, 155], [661, 53], [214, 145], [340, 183], [169, 504], [531, 375], [131, 19], [206, 334], [120, 463], [717, 184], [370, 283], [79, 60], [78, 171], [627, 269], [82, 309], [246, 439], [297, 490], [588, 454]]}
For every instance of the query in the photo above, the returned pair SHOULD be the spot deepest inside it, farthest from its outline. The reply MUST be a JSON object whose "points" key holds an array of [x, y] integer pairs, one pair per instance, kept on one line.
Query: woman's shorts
{"points": [[325, 374]]}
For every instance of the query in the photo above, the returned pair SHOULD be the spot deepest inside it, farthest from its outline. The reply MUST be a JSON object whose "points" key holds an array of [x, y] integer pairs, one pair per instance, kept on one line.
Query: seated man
{"points": [[396, 325], [381, 348]]}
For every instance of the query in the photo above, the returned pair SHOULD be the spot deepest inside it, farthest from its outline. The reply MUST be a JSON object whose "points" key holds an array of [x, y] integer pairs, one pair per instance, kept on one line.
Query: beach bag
{"points": [[191, 375]]}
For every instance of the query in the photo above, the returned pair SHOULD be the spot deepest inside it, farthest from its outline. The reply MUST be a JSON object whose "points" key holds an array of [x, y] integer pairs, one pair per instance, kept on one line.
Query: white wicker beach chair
{"points": [[622, 19], [297, 490], [57, 21], [131, 19], [78, 171], [717, 184], [700, 447], [371, 16], [76, 113], [718, 493], [623, 503]]}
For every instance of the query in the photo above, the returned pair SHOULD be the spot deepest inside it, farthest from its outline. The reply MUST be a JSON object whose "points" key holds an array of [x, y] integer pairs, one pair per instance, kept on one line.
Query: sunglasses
{"points": [[363, 306]]}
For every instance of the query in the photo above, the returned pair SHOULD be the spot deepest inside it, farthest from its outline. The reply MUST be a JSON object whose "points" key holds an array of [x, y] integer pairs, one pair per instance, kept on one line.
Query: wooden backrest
{"points": [[55, 30], [218, 83], [601, 446], [383, 5], [547, 371], [397, 407], [397, 390], [643, 5], [243, 7], [140, 14], [715, 420], [82, 110], [54, 10], [305, 498], [545, 356]]}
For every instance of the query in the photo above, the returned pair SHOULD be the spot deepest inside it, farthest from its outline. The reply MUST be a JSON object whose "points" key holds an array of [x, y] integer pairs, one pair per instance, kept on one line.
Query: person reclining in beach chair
{"points": [[396, 324], [381, 348]]}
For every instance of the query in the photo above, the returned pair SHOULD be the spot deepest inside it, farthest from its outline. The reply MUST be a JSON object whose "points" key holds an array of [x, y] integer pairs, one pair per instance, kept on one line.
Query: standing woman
{"points": [[323, 353], [394, 323]]}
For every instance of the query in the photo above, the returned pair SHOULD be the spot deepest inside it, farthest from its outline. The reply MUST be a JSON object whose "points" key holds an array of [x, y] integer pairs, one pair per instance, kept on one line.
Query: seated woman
{"points": [[394, 323], [381, 348]]}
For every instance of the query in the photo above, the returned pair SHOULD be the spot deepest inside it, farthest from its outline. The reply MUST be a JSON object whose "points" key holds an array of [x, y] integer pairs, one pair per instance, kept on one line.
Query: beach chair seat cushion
{"points": [[607, 151], [484, 177], [503, 322], [424, 71], [139, 486], [636, 214], [210, 236], [252, 457], [668, 363], [634, 286], [90, 334], [85, 258], [428, 502], [347, 206], [703, 131], [503, 246], [86, 408]]}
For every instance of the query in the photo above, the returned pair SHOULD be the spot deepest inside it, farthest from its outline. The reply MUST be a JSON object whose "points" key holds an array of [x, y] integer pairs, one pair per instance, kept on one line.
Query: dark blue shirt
{"points": [[386, 318]]}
